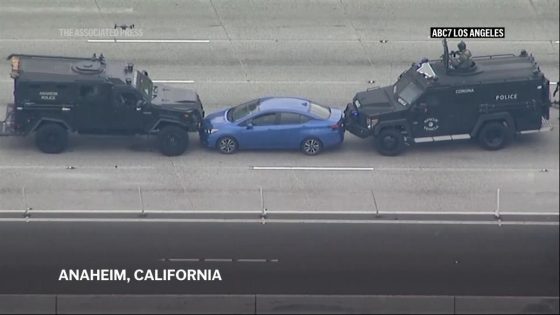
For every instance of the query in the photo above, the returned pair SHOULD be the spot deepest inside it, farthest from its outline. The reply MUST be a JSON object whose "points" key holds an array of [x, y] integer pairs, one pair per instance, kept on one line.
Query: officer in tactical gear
{"points": [[461, 59]]}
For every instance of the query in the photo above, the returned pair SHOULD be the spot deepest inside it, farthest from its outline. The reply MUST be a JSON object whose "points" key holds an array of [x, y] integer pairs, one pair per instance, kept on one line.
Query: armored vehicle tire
{"points": [[311, 146], [173, 140], [227, 145], [495, 135], [390, 142], [51, 138]]}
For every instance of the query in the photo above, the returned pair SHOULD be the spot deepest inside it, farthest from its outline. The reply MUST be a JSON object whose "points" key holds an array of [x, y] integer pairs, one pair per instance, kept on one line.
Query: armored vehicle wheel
{"points": [[173, 140], [390, 142], [495, 135], [311, 146], [227, 145], [51, 138]]}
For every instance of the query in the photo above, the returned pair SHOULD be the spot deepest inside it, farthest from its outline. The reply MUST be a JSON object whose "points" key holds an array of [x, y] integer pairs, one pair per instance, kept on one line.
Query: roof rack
{"points": [[494, 56]]}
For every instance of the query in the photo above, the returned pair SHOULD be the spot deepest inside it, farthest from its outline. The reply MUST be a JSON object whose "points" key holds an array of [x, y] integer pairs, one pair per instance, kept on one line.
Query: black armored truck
{"points": [[55, 96], [491, 99]]}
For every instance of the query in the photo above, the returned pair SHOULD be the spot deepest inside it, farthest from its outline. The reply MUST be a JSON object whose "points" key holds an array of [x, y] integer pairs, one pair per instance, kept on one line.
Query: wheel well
{"points": [[46, 122], [164, 124], [496, 120], [402, 129], [503, 117]]}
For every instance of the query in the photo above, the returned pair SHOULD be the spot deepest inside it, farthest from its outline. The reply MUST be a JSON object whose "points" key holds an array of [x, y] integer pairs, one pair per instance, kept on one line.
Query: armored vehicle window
{"points": [[87, 91], [409, 94], [265, 120], [144, 84], [129, 99]]}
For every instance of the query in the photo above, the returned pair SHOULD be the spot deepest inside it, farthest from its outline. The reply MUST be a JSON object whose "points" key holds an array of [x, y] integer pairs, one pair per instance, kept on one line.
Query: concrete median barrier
{"points": [[283, 304], [27, 304], [156, 304]]}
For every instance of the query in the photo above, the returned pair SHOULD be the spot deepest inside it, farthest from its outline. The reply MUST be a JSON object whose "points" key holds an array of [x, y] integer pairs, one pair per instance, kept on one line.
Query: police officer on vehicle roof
{"points": [[462, 58]]}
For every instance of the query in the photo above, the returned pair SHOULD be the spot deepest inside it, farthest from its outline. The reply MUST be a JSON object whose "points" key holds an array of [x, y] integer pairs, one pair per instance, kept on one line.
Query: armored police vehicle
{"points": [[56, 96], [491, 99]]}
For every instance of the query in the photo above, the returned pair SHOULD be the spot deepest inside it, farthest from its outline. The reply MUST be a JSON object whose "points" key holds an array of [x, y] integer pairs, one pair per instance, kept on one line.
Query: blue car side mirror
{"points": [[250, 126]]}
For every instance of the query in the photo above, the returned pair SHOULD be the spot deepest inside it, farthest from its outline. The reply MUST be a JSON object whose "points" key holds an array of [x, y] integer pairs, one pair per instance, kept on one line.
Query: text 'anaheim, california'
{"points": [[140, 275]]}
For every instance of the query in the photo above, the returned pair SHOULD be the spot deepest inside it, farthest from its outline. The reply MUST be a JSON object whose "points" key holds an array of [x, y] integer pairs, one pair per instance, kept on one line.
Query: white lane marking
{"points": [[248, 260], [272, 221], [150, 41], [64, 9], [403, 169], [180, 259], [310, 168], [281, 82], [217, 260], [77, 167], [173, 81], [275, 212]]}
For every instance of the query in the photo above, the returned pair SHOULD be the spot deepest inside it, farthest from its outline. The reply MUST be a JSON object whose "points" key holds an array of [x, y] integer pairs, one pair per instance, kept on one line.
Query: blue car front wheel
{"points": [[227, 145], [311, 146]]}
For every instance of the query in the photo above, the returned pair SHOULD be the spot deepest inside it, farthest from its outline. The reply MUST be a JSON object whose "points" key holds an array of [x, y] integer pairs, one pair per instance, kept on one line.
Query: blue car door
{"points": [[290, 130], [258, 132]]}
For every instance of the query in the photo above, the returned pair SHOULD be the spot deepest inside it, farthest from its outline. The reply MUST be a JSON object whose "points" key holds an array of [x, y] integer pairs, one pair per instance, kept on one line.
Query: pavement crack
{"points": [[180, 180], [241, 63], [357, 33]]}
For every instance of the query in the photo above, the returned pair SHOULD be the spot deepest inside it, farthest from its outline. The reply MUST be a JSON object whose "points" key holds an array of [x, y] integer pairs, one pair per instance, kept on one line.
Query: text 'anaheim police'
{"points": [[140, 275], [467, 32]]}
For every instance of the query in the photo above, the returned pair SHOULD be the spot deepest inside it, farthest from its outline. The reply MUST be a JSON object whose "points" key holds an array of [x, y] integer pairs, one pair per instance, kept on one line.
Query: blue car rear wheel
{"points": [[227, 145], [311, 146]]}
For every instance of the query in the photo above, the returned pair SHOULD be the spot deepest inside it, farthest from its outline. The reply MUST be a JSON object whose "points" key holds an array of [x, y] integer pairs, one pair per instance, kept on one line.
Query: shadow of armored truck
{"points": [[55, 96], [491, 99]]}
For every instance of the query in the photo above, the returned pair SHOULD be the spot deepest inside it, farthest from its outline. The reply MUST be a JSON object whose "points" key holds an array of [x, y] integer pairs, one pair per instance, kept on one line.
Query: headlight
{"points": [[371, 122]]}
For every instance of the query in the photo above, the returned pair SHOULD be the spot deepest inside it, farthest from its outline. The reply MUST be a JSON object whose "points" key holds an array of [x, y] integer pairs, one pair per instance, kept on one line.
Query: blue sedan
{"points": [[274, 123]]}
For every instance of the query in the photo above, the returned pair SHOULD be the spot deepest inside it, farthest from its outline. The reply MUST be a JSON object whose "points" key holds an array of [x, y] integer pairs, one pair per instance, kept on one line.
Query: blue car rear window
{"points": [[321, 111]]}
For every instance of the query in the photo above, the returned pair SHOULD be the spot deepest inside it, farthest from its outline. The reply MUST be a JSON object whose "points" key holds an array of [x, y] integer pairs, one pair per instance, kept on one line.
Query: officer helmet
{"points": [[462, 45]]}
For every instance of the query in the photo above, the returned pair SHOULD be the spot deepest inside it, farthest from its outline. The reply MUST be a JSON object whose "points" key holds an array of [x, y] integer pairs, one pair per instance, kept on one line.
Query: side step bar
{"points": [[546, 126], [442, 138]]}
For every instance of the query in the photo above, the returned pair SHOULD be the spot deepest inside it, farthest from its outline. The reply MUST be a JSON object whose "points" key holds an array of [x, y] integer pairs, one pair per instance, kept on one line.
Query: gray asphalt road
{"points": [[324, 50], [287, 257]]}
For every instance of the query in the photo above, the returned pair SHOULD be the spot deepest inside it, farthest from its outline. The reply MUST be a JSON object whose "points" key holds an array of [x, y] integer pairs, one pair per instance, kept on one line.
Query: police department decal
{"points": [[431, 124]]}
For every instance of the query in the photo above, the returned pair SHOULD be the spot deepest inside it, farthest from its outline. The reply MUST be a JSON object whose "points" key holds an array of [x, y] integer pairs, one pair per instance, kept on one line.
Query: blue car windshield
{"points": [[240, 111]]}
